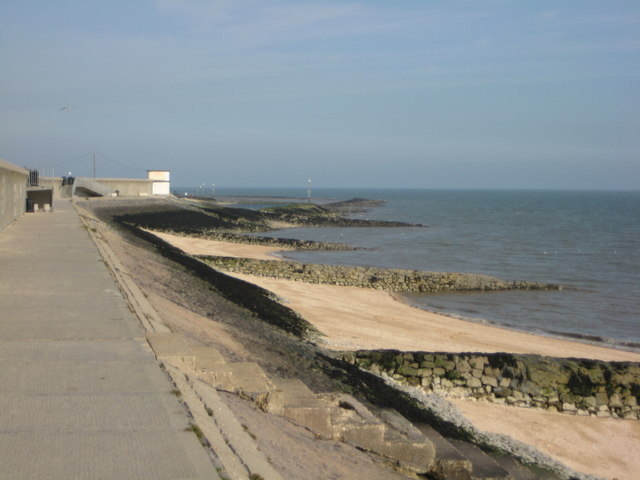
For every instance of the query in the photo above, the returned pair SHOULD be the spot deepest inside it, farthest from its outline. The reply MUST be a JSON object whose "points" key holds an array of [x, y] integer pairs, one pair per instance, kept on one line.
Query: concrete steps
{"points": [[405, 442], [245, 378], [459, 460], [520, 472], [293, 400], [336, 416], [352, 423], [171, 349], [484, 467], [449, 463]]}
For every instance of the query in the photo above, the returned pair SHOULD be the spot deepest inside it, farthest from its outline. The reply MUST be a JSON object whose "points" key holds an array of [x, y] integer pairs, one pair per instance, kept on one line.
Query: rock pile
{"points": [[395, 280], [268, 241], [575, 386]]}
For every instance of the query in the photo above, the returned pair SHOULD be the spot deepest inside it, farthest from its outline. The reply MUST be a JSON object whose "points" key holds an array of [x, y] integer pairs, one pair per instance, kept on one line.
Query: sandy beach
{"points": [[354, 318], [604, 447], [357, 318], [200, 246]]}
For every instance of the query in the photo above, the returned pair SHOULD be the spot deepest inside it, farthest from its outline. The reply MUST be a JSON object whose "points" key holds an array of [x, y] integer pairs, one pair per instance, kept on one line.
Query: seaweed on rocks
{"points": [[311, 215], [185, 221], [186, 217], [353, 205], [269, 241], [394, 280]]}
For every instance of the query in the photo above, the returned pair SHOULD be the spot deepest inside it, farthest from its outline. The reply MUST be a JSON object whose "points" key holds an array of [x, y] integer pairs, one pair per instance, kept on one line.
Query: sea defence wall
{"points": [[122, 187], [129, 187], [574, 386], [13, 192], [395, 280]]}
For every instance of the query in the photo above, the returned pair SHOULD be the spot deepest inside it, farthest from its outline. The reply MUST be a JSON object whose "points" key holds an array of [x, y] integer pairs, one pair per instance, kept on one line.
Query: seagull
{"points": [[67, 108]]}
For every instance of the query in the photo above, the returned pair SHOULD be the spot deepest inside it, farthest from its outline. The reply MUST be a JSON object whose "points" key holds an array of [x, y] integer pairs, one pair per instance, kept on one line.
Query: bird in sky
{"points": [[69, 107]]}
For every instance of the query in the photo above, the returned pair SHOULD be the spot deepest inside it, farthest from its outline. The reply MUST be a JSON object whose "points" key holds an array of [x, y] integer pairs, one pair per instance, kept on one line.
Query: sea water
{"points": [[588, 242]]}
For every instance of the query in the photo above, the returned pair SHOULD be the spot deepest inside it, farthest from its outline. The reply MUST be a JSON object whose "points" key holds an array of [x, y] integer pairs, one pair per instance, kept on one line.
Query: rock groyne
{"points": [[288, 243], [394, 280], [574, 386]]}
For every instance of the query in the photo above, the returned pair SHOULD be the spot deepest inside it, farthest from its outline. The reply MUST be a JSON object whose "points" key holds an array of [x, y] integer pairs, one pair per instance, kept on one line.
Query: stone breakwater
{"points": [[266, 241], [574, 386], [395, 280]]}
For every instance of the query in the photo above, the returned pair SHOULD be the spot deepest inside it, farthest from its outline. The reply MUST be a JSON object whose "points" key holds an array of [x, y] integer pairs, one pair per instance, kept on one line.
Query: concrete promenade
{"points": [[81, 395]]}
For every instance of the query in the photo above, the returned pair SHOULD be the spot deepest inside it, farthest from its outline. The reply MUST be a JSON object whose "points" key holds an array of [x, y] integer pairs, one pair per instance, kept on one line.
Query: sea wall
{"points": [[574, 386], [13, 192], [128, 187], [247, 295], [395, 280]]}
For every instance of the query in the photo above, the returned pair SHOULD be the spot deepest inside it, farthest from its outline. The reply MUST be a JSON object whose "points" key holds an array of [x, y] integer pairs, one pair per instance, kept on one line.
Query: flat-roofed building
{"points": [[161, 183]]}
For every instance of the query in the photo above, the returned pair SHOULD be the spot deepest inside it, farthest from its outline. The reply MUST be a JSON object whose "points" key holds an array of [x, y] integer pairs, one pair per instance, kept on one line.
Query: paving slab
{"points": [[35, 270], [58, 305], [133, 350], [46, 329], [139, 455], [41, 311], [87, 412], [66, 377], [39, 283], [81, 394]]}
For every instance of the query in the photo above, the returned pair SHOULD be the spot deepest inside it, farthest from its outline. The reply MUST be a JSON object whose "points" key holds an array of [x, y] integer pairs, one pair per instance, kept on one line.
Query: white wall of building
{"points": [[161, 188], [162, 175]]}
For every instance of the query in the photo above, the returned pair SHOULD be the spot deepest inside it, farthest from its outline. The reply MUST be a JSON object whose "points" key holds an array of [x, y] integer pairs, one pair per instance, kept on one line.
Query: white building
{"points": [[161, 185]]}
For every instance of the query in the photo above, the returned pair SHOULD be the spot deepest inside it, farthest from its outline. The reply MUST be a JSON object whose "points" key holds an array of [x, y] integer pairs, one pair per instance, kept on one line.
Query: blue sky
{"points": [[433, 94]]}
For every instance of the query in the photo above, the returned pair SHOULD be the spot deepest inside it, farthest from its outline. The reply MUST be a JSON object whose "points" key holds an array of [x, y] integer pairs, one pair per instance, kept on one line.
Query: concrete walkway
{"points": [[81, 395]]}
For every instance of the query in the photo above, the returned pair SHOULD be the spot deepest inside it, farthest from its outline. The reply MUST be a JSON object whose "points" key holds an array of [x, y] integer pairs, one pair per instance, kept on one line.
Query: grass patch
{"points": [[196, 429], [221, 473]]}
